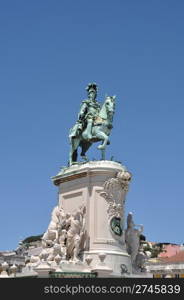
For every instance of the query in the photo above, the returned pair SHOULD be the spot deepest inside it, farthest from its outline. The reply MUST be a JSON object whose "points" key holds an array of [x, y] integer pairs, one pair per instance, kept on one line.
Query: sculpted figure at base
{"points": [[57, 223], [141, 259], [65, 235], [132, 238], [94, 124], [52, 231], [62, 242], [75, 234]]}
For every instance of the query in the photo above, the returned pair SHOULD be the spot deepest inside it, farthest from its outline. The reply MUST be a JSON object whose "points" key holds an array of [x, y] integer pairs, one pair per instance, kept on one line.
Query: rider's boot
{"points": [[87, 132]]}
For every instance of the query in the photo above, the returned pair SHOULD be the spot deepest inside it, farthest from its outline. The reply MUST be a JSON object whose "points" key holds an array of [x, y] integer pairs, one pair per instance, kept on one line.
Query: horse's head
{"points": [[108, 108], [110, 104]]}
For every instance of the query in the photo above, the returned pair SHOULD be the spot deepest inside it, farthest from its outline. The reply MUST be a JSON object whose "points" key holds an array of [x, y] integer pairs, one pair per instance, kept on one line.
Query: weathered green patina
{"points": [[94, 124], [72, 275], [115, 224]]}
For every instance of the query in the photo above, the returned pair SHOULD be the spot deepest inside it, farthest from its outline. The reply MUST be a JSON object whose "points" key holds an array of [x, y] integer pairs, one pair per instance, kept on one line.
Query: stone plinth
{"points": [[101, 187]]}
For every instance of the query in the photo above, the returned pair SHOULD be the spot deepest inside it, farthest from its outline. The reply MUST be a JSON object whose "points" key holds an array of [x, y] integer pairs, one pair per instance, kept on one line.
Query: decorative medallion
{"points": [[115, 224]]}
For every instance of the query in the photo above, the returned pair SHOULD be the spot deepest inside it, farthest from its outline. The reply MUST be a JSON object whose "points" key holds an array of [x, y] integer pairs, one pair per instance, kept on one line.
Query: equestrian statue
{"points": [[94, 124]]}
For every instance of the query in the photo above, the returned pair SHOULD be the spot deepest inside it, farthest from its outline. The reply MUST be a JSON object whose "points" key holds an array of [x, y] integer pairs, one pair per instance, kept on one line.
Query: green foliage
{"points": [[31, 239], [155, 250]]}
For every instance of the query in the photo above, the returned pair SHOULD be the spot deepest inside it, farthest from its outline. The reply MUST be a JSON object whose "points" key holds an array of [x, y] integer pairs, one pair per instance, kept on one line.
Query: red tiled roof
{"points": [[179, 257], [170, 250]]}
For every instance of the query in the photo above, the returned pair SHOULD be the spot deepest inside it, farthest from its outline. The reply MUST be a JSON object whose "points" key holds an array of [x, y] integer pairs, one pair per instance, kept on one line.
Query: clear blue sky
{"points": [[49, 52]]}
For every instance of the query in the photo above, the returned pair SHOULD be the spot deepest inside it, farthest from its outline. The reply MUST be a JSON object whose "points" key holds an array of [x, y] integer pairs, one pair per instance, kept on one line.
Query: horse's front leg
{"points": [[70, 157], [73, 150], [102, 136]]}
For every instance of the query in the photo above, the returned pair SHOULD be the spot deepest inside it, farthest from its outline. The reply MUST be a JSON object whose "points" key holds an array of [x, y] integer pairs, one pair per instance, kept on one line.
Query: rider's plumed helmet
{"points": [[92, 87]]}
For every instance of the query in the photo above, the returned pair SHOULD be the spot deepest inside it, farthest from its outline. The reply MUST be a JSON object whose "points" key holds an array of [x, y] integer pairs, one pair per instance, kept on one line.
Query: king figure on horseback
{"points": [[89, 111], [93, 125]]}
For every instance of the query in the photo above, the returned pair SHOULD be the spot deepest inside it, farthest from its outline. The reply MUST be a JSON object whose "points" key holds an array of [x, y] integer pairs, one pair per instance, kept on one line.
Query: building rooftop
{"points": [[177, 258]]}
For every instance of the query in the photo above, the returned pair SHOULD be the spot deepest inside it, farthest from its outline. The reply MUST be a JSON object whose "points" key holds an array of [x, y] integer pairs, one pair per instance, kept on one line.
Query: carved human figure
{"points": [[141, 259], [62, 242], [75, 234], [132, 238], [58, 221], [52, 231]]}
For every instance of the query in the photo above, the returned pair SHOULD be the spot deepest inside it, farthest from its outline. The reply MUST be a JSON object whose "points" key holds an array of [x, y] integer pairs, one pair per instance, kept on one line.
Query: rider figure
{"points": [[88, 113]]}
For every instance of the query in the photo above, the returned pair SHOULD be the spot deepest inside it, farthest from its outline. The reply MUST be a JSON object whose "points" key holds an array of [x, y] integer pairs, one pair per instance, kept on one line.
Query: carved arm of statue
{"points": [[139, 230]]}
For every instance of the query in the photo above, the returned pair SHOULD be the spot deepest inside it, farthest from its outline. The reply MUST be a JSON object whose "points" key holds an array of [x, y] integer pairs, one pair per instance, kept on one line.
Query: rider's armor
{"points": [[89, 110], [88, 113]]}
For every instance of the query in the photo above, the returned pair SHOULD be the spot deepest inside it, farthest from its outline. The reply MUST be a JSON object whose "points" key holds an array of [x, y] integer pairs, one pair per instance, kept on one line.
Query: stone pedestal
{"points": [[101, 187]]}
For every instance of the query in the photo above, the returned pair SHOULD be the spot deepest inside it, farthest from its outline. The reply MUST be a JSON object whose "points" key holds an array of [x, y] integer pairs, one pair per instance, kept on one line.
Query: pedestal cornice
{"points": [[91, 168]]}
